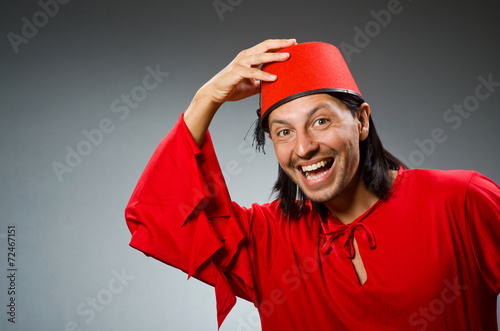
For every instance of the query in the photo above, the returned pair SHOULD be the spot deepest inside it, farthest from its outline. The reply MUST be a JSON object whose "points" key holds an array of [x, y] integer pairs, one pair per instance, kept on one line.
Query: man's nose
{"points": [[305, 145]]}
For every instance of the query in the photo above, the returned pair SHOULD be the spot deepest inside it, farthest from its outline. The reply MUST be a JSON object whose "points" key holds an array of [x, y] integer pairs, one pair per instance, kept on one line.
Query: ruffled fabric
{"points": [[181, 214]]}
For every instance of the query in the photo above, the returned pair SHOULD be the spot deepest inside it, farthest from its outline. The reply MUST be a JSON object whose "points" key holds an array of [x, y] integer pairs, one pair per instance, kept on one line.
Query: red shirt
{"points": [[431, 250]]}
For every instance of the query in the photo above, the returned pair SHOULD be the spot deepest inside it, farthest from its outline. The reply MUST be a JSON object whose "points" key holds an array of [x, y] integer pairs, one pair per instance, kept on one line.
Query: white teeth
{"points": [[314, 166], [309, 177], [307, 169]]}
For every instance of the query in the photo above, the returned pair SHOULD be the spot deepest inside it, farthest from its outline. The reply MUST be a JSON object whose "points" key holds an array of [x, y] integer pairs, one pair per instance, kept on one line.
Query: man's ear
{"points": [[363, 117]]}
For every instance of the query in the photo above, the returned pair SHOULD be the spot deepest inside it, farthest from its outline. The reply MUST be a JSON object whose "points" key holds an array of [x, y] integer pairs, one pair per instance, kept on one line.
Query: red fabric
{"points": [[311, 66], [431, 250]]}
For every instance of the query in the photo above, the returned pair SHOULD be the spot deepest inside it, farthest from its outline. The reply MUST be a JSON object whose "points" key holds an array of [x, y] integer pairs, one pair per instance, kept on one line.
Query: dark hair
{"points": [[375, 163]]}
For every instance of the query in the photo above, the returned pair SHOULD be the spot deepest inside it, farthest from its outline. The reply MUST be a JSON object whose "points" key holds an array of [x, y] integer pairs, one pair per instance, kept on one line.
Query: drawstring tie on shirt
{"points": [[347, 233]]}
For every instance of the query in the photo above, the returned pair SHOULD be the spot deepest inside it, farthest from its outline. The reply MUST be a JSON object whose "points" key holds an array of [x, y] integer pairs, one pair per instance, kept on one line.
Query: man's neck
{"points": [[354, 201]]}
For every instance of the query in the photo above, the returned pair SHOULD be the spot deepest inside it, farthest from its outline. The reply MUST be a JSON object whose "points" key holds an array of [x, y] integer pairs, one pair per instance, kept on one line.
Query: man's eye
{"points": [[284, 133], [321, 121]]}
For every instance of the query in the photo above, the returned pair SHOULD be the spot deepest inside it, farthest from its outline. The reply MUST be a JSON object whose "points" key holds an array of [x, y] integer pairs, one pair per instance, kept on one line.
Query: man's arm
{"points": [[235, 82], [180, 211], [483, 227]]}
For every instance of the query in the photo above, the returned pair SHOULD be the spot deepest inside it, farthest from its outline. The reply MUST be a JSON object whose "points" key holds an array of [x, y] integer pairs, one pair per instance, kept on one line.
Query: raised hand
{"points": [[238, 80]]}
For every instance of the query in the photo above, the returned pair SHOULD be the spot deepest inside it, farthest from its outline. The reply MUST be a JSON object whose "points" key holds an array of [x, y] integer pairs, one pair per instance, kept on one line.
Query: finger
{"points": [[258, 59], [271, 45], [246, 90], [254, 73]]}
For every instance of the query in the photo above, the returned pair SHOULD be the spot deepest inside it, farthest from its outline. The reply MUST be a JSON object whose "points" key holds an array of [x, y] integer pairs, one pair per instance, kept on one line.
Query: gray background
{"points": [[71, 235]]}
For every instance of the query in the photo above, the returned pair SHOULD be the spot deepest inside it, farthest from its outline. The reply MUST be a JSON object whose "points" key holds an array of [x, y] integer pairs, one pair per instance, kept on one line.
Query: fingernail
{"points": [[273, 77], [283, 55], [289, 40]]}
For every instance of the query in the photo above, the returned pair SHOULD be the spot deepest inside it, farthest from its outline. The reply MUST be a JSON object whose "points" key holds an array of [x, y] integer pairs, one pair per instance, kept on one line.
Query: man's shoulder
{"points": [[438, 184], [445, 184], [440, 177], [272, 210], [271, 207], [267, 211]]}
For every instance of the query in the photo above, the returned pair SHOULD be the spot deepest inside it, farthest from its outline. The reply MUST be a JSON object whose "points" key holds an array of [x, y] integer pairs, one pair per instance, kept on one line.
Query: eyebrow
{"points": [[309, 114]]}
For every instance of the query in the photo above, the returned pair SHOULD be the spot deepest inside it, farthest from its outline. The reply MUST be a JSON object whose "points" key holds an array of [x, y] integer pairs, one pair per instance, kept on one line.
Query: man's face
{"points": [[316, 141]]}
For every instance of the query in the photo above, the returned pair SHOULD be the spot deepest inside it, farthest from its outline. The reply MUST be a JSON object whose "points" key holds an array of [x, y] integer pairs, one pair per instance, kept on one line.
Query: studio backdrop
{"points": [[89, 89]]}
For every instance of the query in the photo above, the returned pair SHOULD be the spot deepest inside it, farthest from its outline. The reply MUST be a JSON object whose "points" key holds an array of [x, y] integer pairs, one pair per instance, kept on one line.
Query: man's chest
{"points": [[414, 261]]}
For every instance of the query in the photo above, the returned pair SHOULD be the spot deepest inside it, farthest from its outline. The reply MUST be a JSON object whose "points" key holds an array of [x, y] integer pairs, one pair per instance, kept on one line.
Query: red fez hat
{"points": [[312, 68]]}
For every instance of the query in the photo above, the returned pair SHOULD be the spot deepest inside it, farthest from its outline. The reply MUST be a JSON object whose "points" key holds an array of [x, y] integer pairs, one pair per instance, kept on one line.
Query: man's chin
{"points": [[320, 200], [319, 197]]}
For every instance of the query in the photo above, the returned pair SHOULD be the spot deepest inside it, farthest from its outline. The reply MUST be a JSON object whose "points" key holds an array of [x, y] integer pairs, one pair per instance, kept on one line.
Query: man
{"points": [[354, 240]]}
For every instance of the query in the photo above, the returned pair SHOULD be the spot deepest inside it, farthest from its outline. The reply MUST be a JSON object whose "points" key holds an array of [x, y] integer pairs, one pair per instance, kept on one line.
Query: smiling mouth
{"points": [[317, 170]]}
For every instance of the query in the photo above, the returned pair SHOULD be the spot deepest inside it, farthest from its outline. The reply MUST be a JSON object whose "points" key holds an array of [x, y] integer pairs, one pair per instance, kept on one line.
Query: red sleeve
{"points": [[483, 226], [181, 214]]}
